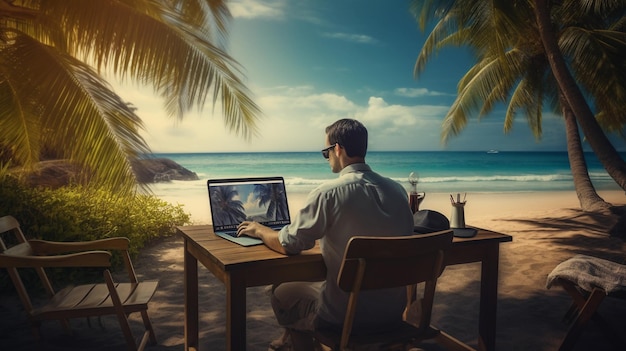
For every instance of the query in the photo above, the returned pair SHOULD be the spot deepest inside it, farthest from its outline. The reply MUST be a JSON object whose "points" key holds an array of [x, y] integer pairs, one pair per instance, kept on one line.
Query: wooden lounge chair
{"points": [[89, 300], [387, 262], [588, 280]]}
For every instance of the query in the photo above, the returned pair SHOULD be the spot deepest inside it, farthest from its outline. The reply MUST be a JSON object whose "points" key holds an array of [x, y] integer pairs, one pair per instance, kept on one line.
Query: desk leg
{"points": [[488, 298], [191, 300], [235, 312]]}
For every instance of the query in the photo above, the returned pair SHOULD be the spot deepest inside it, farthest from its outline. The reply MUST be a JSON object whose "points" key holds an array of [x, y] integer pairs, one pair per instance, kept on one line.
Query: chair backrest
{"points": [[85, 300], [13, 242], [387, 262], [8, 224]]}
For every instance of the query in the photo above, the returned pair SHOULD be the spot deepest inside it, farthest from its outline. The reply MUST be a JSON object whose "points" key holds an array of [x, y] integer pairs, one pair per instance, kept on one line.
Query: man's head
{"points": [[347, 141]]}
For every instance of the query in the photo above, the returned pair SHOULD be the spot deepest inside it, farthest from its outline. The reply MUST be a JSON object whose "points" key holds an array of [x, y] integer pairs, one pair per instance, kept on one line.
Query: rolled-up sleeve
{"points": [[308, 225]]}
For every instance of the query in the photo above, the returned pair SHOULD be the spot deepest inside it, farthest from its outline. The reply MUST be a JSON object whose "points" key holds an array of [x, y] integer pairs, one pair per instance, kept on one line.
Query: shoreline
{"points": [[481, 207]]}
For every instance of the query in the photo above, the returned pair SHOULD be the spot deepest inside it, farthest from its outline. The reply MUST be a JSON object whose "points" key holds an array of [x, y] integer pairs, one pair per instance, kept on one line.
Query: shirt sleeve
{"points": [[309, 223]]}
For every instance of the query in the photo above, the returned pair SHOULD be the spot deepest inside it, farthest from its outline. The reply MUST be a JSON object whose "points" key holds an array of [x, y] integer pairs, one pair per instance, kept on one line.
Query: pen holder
{"points": [[457, 220], [415, 199]]}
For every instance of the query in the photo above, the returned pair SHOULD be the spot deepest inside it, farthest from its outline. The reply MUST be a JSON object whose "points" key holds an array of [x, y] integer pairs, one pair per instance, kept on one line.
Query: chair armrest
{"points": [[44, 247], [81, 259]]}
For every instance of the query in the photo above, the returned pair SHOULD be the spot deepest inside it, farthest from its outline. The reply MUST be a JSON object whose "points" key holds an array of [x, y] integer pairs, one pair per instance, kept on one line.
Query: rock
{"points": [[57, 173], [154, 170], [53, 174]]}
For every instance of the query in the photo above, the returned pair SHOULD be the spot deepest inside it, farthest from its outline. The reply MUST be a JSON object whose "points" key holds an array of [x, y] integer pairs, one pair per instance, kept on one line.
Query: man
{"points": [[359, 202]]}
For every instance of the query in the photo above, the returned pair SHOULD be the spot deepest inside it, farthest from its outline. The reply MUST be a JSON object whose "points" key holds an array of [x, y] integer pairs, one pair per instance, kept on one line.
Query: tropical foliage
{"points": [[603, 28], [512, 66], [78, 213], [511, 62], [55, 101]]}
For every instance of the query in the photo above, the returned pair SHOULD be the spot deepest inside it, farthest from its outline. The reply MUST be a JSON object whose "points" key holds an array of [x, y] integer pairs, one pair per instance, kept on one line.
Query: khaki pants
{"points": [[296, 304]]}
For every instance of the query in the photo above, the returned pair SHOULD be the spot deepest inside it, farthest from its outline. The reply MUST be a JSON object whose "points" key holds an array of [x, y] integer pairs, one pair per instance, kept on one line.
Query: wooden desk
{"points": [[240, 267]]}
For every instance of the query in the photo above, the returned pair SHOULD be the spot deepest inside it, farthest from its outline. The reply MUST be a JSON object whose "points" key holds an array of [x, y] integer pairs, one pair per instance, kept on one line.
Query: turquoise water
{"points": [[446, 172]]}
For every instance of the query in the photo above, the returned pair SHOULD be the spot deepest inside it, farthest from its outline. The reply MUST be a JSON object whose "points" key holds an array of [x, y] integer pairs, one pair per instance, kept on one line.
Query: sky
{"points": [[309, 63]]}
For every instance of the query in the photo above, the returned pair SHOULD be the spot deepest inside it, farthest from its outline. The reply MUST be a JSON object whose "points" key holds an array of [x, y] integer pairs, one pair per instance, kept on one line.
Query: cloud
{"points": [[279, 104], [294, 119], [249, 9], [418, 92], [355, 38]]}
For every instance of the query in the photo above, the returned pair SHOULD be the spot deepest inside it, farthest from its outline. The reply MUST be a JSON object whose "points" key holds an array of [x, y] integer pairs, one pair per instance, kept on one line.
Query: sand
{"points": [[547, 228]]}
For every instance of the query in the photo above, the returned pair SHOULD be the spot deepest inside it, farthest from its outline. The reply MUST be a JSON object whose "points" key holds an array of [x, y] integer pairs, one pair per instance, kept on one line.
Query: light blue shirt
{"points": [[359, 202]]}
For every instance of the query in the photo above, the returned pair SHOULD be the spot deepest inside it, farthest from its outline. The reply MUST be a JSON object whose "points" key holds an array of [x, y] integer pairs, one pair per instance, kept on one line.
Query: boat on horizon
{"points": [[493, 151]]}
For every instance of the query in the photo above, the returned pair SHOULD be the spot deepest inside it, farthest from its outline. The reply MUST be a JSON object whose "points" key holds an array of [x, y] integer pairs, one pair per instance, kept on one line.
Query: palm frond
{"points": [[21, 130], [431, 46], [52, 98], [166, 44], [79, 113]]}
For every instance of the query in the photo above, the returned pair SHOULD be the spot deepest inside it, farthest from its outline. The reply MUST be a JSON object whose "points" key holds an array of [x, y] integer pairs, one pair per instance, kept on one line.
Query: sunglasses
{"points": [[326, 151]]}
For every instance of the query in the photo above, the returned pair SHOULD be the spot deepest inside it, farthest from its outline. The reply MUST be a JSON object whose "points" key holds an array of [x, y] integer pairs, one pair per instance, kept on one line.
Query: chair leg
{"points": [[571, 313], [452, 343], [148, 326], [119, 309], [585, 313]]}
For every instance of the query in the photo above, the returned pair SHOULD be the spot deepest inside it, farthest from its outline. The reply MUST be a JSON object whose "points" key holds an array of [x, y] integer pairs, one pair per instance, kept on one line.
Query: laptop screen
{"points": [[233, 201]]}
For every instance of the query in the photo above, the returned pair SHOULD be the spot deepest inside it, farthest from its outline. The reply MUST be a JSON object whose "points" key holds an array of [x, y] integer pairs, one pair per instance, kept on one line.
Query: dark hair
{"points": [[350, 134]]}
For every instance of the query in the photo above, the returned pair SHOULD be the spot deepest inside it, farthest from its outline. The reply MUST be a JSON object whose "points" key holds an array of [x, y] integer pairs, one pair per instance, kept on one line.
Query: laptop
{"points": [[232, 201]]}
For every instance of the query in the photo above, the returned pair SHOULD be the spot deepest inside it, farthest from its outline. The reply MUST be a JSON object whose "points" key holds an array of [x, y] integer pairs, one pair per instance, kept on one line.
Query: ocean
{"points": [[439, 172]]}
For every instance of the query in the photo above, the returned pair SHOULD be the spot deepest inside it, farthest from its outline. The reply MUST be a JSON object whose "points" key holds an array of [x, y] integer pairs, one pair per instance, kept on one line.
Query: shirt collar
{"points": [[355, 167]]}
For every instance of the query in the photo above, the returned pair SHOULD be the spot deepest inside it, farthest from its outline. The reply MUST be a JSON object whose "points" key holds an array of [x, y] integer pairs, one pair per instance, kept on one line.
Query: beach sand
{"points": [[547, 228]]}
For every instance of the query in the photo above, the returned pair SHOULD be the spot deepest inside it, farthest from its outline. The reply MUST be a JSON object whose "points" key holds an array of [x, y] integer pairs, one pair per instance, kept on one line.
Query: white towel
{"points": [[589, 272]]}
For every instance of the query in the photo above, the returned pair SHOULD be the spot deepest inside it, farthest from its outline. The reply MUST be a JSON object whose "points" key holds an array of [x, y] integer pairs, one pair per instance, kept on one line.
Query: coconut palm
{"points": [[511, 67], [224, 206], [53, 96], [272, 195], [588, 198], [609, 38]]}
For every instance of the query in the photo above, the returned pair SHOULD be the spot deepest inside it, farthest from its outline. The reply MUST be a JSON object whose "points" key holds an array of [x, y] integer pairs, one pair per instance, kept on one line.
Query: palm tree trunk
{"points": [[606, 153], [588, 198]]}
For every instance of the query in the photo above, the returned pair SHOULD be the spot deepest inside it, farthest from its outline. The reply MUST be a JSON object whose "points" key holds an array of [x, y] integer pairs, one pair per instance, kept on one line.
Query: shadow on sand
{"points": [[529, 315]]}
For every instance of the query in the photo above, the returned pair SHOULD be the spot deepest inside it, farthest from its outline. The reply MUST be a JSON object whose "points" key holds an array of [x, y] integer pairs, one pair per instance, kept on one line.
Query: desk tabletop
{"points": [[232, 256], [229, 255]]}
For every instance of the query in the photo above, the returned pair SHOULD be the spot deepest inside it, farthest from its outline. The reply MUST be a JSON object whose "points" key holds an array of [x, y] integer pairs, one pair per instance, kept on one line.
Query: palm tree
{"points": [[588, 198], [611, 42], [511, 62], [273, 195], [226, 210], [53, 95]]}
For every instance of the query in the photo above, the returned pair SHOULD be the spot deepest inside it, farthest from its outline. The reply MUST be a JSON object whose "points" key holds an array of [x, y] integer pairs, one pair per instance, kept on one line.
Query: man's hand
{"points": [[251, 228], [258, 230]]}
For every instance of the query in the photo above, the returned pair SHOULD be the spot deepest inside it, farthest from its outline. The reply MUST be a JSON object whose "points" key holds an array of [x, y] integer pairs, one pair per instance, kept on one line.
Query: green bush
{"points": [[78, 213]]}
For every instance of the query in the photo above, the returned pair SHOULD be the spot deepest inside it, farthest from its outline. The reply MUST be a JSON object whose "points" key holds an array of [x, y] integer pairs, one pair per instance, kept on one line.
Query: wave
{"points": [[476, 183], [492, 178], [300, 181], [303, 181]]}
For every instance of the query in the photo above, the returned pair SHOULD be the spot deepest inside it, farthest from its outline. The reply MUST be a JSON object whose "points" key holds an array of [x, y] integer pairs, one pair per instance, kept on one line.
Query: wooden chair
{"points": [[89, 300], [589, 280], [387, 262]]}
